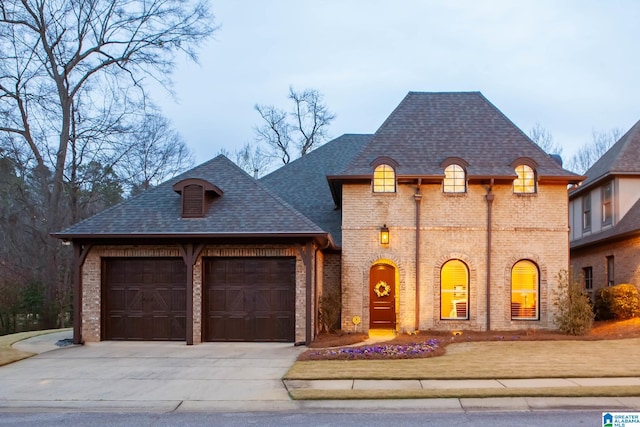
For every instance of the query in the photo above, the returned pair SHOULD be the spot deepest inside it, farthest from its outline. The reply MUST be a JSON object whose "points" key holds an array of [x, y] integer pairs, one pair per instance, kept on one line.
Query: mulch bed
{"points": [[344, 346]]}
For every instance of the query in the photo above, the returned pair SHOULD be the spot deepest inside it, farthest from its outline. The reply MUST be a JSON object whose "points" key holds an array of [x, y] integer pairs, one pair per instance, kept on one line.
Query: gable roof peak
{"points": [[623, 157]]}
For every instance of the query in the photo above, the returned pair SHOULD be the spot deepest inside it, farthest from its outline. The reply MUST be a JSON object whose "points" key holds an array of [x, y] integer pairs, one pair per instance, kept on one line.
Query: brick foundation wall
{"points": [[533, 227], [92, 279]]}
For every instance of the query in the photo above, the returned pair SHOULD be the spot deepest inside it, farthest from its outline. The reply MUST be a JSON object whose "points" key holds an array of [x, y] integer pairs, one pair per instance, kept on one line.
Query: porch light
{"points": [[384, 235]]}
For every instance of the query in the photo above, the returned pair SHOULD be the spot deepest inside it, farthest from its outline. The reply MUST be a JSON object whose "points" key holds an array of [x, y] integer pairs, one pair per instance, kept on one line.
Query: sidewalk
{"points": [[241, 377], [535, 383]]}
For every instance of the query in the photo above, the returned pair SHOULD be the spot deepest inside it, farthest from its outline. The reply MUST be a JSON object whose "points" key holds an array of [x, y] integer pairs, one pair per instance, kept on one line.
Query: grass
{"points": [[9, 354], [489, 360], [603, 391], [484, 360]]}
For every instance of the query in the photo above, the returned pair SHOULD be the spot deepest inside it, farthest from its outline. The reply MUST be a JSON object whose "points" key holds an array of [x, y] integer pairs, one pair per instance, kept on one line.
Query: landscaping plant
{"points": [[574, 312], [617, 302]]}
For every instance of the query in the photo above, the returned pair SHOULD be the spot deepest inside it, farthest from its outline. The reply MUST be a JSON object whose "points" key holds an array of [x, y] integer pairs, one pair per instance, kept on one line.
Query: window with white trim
{"points": [[607, 203], [586, 212]]}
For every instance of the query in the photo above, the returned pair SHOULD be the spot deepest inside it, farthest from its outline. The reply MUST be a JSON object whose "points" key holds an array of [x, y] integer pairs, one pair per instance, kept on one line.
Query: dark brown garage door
{"points": [[250, 299], [144, 299]]}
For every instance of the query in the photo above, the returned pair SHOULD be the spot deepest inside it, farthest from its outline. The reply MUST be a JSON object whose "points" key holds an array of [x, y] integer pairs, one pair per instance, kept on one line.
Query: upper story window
{"points": [[607, 203], [586, 212], [384, 179], [525, 183], [455, 180]]}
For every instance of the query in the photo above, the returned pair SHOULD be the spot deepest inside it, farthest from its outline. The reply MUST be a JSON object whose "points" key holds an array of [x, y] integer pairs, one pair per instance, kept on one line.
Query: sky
{"points": [[571, 66]]}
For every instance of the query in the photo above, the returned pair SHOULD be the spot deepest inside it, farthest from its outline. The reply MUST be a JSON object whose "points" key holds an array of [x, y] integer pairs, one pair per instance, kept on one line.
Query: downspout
{"points": [[489, 198], [417, 197]]}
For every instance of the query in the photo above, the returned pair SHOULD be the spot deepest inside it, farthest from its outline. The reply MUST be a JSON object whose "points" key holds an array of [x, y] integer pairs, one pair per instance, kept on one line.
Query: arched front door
{"points": [[382, 297]]}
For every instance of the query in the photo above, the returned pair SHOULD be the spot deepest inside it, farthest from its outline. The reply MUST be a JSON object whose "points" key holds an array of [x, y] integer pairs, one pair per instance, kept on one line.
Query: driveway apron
{"points": [[133, 374]]}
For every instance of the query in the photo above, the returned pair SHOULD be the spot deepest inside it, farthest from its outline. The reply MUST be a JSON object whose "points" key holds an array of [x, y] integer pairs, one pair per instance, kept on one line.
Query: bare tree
{"points": [[312, 118], [71, 75], [252, 160], [591, 151], [156, 153], [276, 132], [544, 139], [295, 133]]}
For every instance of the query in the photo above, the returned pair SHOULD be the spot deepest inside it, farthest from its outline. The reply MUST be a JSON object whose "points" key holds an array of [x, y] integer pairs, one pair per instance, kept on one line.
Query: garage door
{"points": [[144, 299], [249, 299]]}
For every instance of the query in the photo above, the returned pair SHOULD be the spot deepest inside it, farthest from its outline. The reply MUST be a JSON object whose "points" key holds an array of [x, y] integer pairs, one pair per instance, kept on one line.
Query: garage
{"points": [[249, 299], [144, 299]]}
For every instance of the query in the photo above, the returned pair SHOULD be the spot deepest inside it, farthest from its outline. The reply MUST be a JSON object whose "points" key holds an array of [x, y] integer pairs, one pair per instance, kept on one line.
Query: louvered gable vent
{"points": [[193, 201], [196, 195]]}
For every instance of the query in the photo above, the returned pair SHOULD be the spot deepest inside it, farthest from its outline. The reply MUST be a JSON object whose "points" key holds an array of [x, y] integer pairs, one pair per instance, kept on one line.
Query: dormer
{"points": [[196, 194]]}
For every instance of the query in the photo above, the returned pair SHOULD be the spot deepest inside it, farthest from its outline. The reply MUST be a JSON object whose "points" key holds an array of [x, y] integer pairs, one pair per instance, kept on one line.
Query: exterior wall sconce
{"points": [[384, 235]]}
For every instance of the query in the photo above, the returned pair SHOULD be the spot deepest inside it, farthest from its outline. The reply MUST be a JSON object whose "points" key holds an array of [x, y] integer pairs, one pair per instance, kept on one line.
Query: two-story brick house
{"points": [[476, 216], [448, 217], [605, 217]]}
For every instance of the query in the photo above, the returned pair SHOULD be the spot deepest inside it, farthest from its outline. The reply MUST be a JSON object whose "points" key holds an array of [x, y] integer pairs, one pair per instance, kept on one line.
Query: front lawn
{"points": [[611, 349]]}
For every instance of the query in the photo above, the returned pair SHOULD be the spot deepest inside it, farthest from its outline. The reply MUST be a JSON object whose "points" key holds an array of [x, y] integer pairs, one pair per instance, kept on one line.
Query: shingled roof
{"points": [[427, 128], [245, 209], [303, 183], [623, 158]]}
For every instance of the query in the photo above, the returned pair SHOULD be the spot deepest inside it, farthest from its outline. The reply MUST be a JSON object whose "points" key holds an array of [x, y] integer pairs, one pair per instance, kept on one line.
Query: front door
{"points": [[382, 297]]}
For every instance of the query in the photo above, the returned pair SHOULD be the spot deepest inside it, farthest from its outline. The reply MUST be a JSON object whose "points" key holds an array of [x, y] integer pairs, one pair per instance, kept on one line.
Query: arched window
{"points": [[526, 181], [454, 290], [454, 179], [384, 179], [524, 290]]}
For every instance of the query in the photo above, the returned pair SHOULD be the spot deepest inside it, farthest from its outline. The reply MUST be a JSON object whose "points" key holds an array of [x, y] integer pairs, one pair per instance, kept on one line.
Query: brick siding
{"points": [[626, 259], [92, 279], [533, 227]]}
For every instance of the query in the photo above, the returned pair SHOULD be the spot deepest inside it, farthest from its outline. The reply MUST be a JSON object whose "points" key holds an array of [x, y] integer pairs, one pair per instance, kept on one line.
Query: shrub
{"points": [[574, 313], [617, 302], [330, 308]]}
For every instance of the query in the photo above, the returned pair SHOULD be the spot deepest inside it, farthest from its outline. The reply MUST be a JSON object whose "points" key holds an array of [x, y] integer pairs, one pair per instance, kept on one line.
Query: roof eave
{"points": [[604, 240], [322, 237]]}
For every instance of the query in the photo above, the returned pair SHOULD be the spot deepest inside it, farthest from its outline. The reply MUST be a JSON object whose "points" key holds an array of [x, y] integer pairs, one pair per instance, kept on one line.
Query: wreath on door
{"points": [[382, 289]]}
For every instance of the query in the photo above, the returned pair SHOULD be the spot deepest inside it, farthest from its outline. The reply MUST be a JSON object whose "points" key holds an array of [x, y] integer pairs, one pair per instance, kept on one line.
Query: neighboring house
{"points": [[605, 217], [448, 217]]}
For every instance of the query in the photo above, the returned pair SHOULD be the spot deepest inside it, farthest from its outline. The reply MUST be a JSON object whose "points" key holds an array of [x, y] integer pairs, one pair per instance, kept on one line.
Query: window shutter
{"points": [[193, 201]]}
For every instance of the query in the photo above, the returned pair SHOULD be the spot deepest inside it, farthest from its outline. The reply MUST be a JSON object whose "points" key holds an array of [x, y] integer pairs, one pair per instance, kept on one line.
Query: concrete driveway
{"points": [[147, 376]]}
